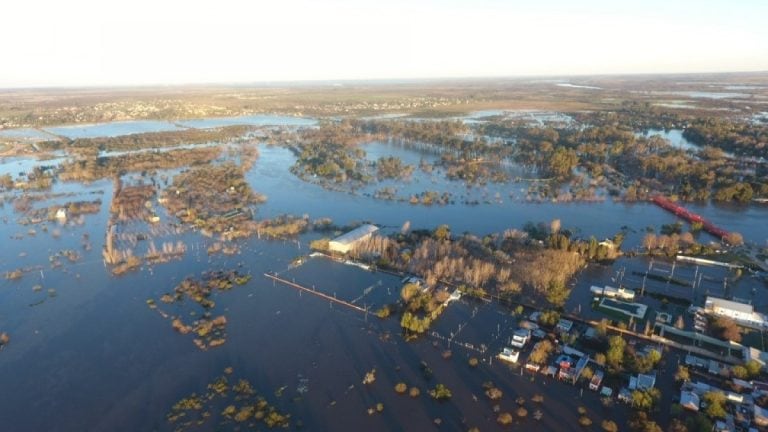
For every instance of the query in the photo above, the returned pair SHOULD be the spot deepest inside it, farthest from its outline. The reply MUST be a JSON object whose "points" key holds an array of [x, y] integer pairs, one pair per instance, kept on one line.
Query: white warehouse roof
{"points": [[729, 304], [356, 234]]}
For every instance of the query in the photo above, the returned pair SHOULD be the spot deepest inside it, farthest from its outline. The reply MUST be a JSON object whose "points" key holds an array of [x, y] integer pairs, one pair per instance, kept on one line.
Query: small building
{"points": [[61, 214], [742, 313], [346, 242]]}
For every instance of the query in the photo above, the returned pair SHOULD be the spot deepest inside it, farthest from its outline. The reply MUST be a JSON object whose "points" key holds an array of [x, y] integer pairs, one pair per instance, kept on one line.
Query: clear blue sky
{"points": [[132, 42]]}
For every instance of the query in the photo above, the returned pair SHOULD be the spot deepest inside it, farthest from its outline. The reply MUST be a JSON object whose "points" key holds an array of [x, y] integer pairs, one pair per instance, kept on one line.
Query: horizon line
{"points": [[399, 80]]}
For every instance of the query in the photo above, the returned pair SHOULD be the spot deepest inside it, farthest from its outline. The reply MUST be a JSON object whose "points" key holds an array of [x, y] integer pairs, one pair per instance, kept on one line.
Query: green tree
{"points": [[409, 291], [740, 372], [440, 392], [682, 374], [549, 318], [443, 232], [753, 368], [726, 328], [541, 352], [562, 162], [715, 401], [645, 399], [615, 353]]}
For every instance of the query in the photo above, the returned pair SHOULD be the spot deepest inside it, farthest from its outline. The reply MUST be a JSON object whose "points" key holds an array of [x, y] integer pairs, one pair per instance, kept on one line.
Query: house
{"points": [[742, 313], [509, 355], [520, 337], [642, 382], [564, 325], [61, 214], [690, 400], [346, 242], [570, 370], [646, 381]]}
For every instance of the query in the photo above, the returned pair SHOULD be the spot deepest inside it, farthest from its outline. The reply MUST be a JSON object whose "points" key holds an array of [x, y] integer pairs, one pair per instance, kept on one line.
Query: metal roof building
{"points": [[742, 313], [344, 243]]}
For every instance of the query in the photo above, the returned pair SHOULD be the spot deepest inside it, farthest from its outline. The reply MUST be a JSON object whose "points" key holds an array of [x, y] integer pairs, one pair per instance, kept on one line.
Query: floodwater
{"points": [[602, 219], [705, 94], [251, 120], [26, 134], [112, 129], [91, 355], [674, 136]]}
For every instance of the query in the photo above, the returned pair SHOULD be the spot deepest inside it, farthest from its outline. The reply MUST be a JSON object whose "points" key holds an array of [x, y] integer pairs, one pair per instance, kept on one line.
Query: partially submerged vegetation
{"points": [[505, 265], [212, 198], [227, 403], [94, 168], [148, 140], [209, 331]]}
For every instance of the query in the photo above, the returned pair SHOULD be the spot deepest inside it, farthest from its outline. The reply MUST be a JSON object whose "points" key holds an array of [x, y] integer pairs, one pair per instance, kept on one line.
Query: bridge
{"points": [[689, 216]]}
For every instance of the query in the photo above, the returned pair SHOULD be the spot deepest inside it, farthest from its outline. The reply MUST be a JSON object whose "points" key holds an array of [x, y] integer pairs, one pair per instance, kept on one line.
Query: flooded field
{"points": [[89, 347]]}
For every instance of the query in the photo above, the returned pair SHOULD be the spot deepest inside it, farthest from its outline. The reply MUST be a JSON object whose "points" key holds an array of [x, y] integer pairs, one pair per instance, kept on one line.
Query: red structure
{"points": [[691, 217]]}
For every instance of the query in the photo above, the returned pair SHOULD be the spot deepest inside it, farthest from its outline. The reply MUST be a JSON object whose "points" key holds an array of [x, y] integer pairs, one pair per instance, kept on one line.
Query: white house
{"points": [[520, 337], [509, 355], [346, 242]]}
